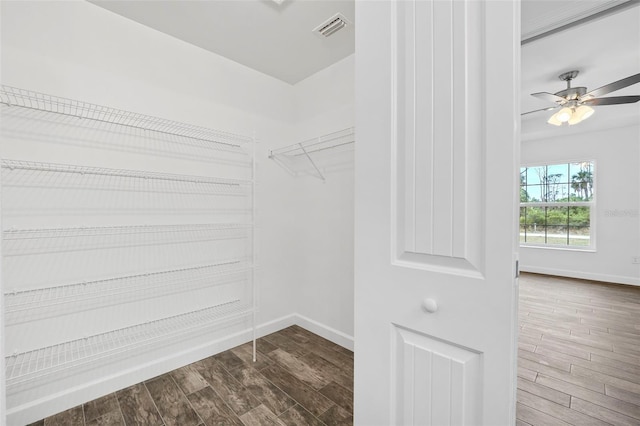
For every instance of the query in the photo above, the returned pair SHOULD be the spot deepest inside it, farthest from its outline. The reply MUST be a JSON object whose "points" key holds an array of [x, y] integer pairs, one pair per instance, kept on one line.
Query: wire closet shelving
{"points": [[18, 241], [78, 188], [25, 366], [314, 156], [65, 109], [32, 304]]}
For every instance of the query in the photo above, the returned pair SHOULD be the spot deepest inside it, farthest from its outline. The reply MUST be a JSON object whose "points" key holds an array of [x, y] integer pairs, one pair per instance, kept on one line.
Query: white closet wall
{"points": [[325, 103], [304, 228], [93, 55]]}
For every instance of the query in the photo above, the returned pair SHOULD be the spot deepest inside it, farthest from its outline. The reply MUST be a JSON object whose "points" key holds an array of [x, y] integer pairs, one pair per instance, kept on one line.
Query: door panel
{"points": [[436, 211], [436, 382], [437, 141]]}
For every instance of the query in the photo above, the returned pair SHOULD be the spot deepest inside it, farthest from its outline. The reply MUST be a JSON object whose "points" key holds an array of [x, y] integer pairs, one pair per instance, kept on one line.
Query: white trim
{"points": [[583, 249], [558, 204], [591, 204], [336, 336], [276, 325], [557, 161], [56, 403], [87, 391], [616, 279]]}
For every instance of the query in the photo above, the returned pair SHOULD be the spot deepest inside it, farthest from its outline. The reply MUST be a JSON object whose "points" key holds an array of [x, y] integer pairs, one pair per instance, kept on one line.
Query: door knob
{"points": [[429, 305]]}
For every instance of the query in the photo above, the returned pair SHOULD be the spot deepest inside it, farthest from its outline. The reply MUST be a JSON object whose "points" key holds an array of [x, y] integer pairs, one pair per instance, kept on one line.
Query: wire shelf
{"points": [[319, 153], [18, 242], [68, 108], [43, 204], [35, 304], [27, 366], [30, 173], [321, 143]]}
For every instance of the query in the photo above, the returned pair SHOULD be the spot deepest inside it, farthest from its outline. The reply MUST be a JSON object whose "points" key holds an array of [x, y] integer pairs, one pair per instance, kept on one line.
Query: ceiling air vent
{"points": [[331, 25]]}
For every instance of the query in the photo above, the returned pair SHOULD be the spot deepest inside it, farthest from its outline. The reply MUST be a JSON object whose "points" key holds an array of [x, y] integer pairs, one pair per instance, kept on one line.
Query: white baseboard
{"points": [[616, 279], [276, 325], [87, 391], [125, 377], [337, 337]]}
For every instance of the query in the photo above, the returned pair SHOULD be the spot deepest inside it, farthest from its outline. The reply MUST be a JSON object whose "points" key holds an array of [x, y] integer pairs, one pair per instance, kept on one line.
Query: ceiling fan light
{"points": [[564, 115], [580, 114], [554, 120], [585, 111]]}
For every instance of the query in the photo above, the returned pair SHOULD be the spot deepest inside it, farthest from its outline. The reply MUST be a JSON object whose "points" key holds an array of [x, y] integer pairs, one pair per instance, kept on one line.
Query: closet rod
{"points": [[13, 96]]}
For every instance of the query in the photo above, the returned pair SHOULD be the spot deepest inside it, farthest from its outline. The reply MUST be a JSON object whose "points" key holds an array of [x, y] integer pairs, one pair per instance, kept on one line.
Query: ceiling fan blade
{"points": [[538, 110], [612, 87], [613, 100], [546, 96]]}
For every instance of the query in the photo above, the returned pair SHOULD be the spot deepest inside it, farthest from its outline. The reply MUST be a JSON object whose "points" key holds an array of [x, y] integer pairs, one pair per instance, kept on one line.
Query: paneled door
{"points": [[437, 156]]}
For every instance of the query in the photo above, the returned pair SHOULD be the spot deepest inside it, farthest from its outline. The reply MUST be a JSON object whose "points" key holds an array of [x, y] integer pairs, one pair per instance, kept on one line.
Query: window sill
{"points": [[563, 248]]}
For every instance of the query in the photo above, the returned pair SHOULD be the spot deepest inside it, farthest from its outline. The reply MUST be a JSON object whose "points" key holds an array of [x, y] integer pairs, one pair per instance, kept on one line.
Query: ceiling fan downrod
{"points": [[568, 76]]}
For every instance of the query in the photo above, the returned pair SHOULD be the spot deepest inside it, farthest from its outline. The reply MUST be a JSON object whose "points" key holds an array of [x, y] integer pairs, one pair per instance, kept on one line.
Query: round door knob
{"points": [[429, 305]]}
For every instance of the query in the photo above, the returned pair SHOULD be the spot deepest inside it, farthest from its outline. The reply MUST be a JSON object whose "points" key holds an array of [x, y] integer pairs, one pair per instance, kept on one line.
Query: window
{"points": [[556, 205]]}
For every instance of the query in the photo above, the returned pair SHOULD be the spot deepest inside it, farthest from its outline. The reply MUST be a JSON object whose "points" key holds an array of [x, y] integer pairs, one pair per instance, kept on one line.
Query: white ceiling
{"points": [[540, 16], [603, 50], [275, 39], [278, 40]]}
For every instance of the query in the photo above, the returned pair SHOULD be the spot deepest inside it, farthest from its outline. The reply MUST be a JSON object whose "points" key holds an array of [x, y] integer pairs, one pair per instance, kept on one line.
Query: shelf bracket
{"points": [[320, 175], [295, 158]]}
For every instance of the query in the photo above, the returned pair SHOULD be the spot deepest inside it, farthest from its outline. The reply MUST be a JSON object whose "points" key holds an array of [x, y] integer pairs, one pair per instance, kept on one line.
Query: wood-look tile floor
{"points": [[298, 379], [578, 364], [578, 352]]}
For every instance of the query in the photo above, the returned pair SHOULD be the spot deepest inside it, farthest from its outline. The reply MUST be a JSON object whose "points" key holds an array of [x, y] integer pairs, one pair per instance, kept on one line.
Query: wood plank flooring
{"points": [[299, 379], [578, 364], [578, 352]]}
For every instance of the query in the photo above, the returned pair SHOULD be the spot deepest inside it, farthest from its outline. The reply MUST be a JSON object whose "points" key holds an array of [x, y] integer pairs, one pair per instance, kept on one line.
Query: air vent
{"points": [[332, 25]]}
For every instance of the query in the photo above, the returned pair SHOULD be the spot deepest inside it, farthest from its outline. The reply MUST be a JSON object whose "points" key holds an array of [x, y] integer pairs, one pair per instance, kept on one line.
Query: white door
{"points": [[437, 121]]}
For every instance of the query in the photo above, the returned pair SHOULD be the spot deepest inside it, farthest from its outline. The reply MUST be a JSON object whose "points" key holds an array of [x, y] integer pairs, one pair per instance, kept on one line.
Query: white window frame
{"points": [[591, 204]]}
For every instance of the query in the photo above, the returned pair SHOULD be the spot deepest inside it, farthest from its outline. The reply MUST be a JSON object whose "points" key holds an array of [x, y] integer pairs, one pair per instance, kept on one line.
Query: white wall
{"points": [[617, 218], [325, 104], [305, 228], [80, 51]]}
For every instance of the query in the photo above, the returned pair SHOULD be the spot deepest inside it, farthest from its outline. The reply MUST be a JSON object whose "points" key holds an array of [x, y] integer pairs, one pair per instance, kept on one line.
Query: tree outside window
{"points": [[556, 202]]}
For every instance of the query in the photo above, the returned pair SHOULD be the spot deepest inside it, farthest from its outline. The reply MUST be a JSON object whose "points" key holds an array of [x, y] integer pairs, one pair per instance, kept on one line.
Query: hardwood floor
{"points": [[578, 364], [299, 379], [578, 352]]}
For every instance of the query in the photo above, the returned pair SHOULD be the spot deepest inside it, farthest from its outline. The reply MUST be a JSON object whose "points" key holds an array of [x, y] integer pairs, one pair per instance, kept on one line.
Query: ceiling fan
{"points": [[575, 102]]}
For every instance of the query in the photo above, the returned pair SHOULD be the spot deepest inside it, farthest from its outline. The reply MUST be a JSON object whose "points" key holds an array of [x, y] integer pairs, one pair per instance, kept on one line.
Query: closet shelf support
{"points": [[317, 153], [312, 162]]}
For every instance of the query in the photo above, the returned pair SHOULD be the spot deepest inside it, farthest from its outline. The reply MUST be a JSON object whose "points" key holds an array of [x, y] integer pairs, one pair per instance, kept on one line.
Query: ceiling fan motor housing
{"points": [[576, 102], [572, 93]]}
